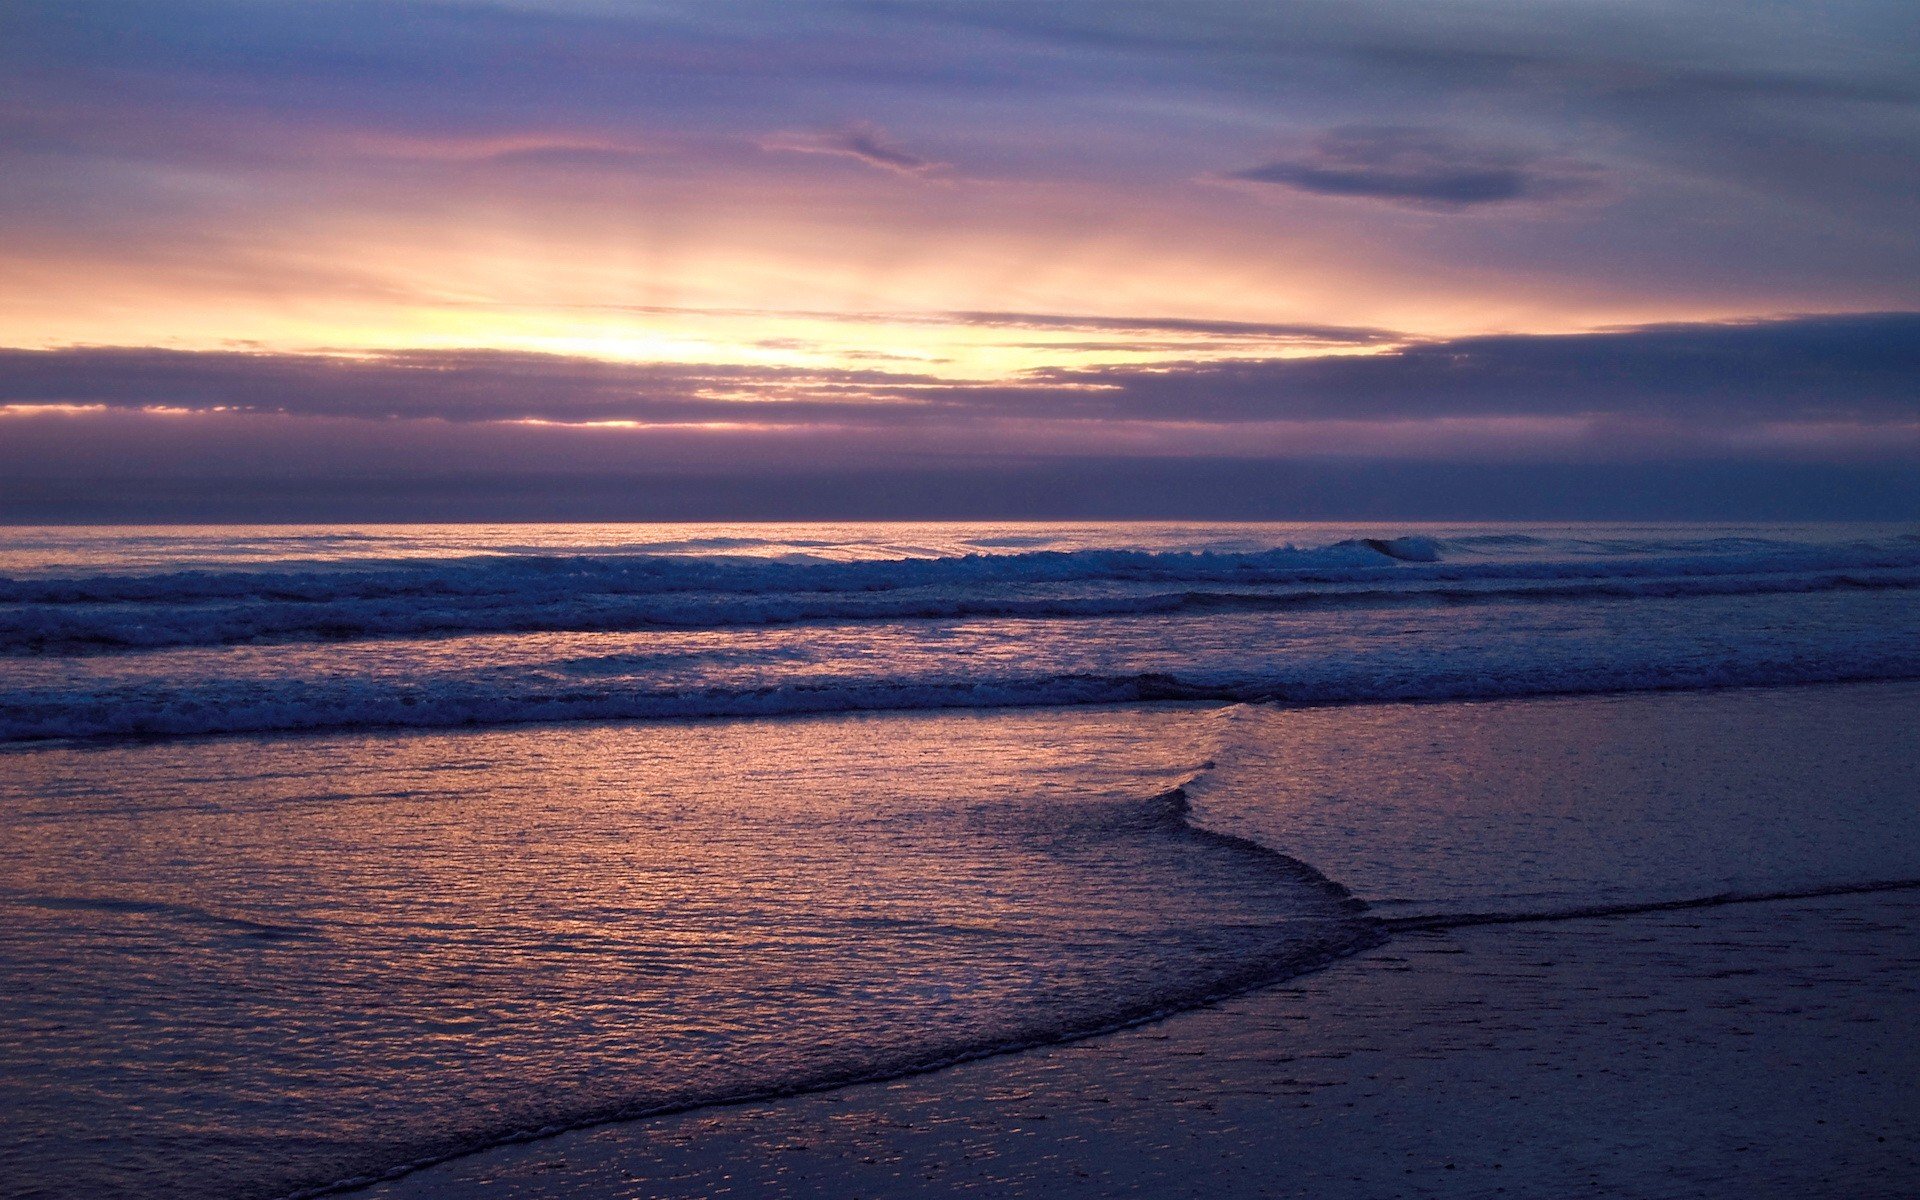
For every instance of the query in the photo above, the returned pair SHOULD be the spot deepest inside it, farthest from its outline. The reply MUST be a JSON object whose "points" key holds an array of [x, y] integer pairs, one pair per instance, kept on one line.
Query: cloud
{"points": [[1663, 382], [1254, 330], [863, 143], [1258, 331], [1423, 168], [444, 385], [1775, 170], [1827, 367]]}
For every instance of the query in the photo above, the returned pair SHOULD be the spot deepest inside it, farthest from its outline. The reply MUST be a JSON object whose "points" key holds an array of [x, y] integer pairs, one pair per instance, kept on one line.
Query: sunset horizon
{"points": [[490, 245], [1038, 599]]}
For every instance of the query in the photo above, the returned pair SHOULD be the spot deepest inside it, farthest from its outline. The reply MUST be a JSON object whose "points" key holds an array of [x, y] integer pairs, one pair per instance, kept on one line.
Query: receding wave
{"points": [[1329, 925], [947, 929]]}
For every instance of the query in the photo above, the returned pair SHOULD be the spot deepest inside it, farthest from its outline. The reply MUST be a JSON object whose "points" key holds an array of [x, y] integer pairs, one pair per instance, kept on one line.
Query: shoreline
{"points": [[1685, 804], [400, 1174], [1392, 930], [1725, 790], [1082, 1118]]}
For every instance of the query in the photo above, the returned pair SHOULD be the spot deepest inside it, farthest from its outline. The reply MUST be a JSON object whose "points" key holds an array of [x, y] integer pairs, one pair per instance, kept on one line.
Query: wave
{"points": [[75, 630], [571, 576], [1335, 927], [653, 574], [187, 709], [525, 594], [1325, 924]]}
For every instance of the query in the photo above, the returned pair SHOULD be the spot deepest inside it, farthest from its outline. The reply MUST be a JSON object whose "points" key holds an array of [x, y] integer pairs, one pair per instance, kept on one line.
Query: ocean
{"points": [[326, 853]]}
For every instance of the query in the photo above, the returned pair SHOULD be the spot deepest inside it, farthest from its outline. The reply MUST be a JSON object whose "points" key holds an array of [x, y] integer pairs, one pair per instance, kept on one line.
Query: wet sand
{"points": [[1753, 1050]]}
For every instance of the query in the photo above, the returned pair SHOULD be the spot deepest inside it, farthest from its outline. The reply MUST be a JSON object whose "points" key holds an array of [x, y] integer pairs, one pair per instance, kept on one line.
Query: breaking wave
{"points": [[522, 593], [443, 640], [229, 707]]}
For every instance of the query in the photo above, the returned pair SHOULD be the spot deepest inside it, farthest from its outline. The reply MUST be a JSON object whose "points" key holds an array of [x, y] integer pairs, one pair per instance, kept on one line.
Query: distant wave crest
{"points": [[524, 593]]}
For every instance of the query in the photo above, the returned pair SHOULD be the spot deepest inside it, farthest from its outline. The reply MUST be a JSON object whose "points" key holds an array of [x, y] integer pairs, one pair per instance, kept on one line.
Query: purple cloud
{"points": [[1833, 368], [1423, 168], [863, 143]]}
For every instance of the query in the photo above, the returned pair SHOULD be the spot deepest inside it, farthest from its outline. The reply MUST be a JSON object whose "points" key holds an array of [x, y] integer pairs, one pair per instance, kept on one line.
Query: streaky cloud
{"points": [[1271, 331], [1264, 331], [448, 385], [864, 143]]}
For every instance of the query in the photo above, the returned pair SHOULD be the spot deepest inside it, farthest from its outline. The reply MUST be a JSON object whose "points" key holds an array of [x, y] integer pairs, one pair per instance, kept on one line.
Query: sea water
{"points": [[329, 852]]}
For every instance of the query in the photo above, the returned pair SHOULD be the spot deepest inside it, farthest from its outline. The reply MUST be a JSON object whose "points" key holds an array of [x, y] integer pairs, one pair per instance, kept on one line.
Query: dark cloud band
{"points": [[1818, 368]]}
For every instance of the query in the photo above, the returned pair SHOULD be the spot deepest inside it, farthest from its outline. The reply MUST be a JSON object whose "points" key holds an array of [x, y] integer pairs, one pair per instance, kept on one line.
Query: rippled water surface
{"points": [[242, 967]]}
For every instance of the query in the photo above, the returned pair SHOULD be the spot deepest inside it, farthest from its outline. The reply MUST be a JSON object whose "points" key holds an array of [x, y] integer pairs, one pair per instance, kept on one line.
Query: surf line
{"points": [[1445, 921]]}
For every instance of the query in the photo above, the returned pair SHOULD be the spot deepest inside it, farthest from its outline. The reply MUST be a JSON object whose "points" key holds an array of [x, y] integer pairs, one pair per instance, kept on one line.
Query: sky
{"points": [[598, 260]]}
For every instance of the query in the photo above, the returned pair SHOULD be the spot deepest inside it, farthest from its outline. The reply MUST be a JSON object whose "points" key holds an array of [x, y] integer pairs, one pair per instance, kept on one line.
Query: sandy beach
{"points": [[1765, 1049]]}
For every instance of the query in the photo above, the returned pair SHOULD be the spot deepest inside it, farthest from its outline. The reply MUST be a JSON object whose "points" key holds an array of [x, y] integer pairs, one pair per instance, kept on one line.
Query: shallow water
{"points": [[239, 967]]}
